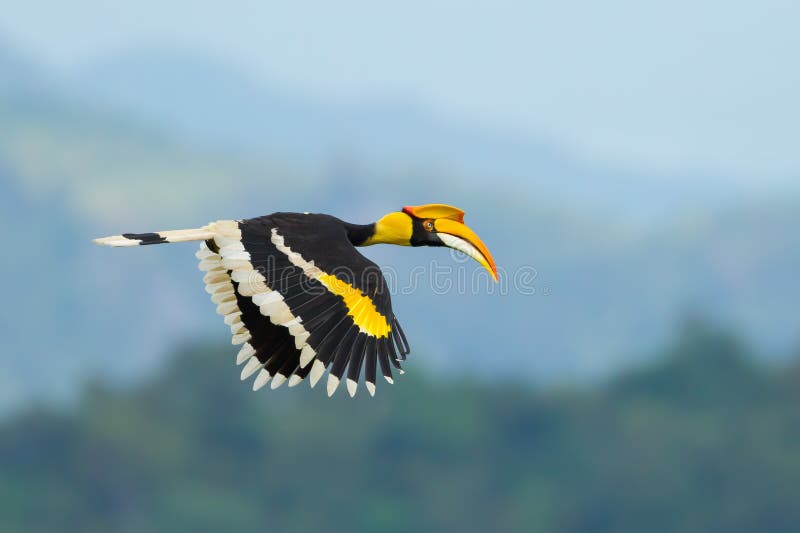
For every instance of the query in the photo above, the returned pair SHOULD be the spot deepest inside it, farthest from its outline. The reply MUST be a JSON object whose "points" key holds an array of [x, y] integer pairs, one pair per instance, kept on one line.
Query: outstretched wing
{"points": [[301, 299]]}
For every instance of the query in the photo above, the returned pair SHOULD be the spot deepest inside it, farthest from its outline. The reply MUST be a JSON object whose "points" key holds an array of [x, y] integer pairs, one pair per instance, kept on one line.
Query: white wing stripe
{"points": [[220, 287], [234, 257]]}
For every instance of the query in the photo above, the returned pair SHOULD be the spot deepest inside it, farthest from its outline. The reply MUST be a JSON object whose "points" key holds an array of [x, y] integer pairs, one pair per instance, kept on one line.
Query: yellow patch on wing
{"points": [[359, 306]]}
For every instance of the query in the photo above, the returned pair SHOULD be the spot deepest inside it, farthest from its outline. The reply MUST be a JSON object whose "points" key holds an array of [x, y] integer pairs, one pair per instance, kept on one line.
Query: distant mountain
{"points": [[17, 72], [212, 104], [605, 287], [41, 269]]}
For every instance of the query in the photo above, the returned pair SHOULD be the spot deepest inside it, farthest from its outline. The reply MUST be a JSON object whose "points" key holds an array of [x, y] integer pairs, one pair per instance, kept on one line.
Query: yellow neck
{"points": [[394, 228]]}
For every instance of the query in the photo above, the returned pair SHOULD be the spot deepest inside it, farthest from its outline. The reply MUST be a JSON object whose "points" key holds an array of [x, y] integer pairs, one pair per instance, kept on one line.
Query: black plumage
{"points": [[339, 343]]}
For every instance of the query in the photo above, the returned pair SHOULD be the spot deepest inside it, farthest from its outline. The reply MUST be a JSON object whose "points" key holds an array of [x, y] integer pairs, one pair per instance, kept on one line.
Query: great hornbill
{"points": [[294, 289]]}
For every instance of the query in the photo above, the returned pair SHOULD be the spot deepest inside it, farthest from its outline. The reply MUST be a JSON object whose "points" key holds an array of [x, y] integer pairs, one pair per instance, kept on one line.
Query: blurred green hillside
{"points": [[703, 439]]}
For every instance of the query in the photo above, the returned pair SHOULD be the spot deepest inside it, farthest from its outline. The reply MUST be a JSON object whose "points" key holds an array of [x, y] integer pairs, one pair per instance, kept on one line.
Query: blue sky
{"points": [[710, 86]]}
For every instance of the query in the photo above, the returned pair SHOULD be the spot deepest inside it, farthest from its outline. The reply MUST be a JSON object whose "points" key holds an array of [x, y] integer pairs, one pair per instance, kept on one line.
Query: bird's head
{"points": [[432, 225]]}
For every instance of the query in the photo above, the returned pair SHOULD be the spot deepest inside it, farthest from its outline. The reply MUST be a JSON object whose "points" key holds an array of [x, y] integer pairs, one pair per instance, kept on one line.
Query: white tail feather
{"points": [[136, 239]]}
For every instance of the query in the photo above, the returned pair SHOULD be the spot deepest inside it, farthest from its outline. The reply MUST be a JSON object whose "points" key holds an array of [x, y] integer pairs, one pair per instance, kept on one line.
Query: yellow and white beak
{"points": [[459, 236], [449, 227]]}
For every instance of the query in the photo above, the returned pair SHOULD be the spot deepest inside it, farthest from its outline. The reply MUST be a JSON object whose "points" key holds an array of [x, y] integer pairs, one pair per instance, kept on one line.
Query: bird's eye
{"points": [[428, 225]]}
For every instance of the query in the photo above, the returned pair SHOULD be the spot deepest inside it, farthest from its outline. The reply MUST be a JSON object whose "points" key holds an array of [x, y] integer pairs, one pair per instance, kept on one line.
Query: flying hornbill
{"points": [[294, 289]]}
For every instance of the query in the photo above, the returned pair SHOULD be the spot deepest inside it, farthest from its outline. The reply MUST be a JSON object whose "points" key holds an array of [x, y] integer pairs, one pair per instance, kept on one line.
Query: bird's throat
{"points": [[359, 234], [394, 228]]}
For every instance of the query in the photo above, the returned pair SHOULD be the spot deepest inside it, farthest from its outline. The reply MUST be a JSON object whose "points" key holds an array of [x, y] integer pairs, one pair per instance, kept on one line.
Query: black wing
{"points": [[302, 299]]}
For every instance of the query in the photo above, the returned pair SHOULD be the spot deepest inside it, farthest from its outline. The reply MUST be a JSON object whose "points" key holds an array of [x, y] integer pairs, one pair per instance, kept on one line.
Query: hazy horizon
{"points": [[140, 129], [675, 86]]}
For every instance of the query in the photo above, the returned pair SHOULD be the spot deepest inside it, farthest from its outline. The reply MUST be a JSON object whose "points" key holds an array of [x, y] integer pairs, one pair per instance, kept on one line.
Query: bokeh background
{"points": [[641, 157]]}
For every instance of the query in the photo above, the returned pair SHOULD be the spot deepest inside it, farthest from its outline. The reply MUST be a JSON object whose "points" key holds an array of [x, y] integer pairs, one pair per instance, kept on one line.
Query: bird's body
{"points": [[300, 298]]}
